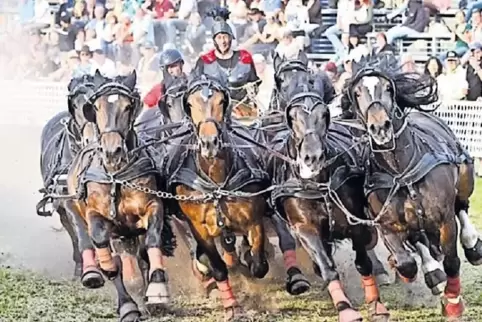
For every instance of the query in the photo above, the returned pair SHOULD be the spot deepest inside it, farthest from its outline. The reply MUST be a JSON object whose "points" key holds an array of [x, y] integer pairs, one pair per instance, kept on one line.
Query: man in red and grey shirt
{"points": [[171, 62]]}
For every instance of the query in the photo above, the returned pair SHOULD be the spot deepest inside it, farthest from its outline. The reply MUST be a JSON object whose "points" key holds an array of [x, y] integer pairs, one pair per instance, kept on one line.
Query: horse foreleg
{"points": [[452, 303], [218, 269], [91, 276], [310, 238], [67, 224], [296, 283], [434, 276], [376, 310], [256, 256], [99, 229], [157, 292]]}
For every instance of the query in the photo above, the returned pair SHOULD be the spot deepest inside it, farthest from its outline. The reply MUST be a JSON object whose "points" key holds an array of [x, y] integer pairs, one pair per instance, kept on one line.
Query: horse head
{"points": [[80, 89], [380, 93], [285, 71], [115, 105], [207, 103], [307, 116], [175, 89]]}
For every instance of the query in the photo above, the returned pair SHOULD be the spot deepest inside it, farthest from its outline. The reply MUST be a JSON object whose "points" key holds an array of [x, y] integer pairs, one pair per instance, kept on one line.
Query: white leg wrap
{"points": [[468, 233], [429, 264]]}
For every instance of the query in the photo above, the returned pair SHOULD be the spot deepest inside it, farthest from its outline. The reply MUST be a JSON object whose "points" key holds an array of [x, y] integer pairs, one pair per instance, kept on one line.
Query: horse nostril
{"points": [[306, 159], [387, 124], [372, 128], [215, 141], [118, 151]]}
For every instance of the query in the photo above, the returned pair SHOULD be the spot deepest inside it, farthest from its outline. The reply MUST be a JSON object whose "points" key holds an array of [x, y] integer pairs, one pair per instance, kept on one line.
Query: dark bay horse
{"points": [[115, 184], [418, 176], [219, 188], [287, 71], [320, 190], [62, 138]]}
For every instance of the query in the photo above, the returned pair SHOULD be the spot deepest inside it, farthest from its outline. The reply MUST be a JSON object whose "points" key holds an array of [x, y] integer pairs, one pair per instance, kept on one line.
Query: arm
{"points": [[153, 96]]}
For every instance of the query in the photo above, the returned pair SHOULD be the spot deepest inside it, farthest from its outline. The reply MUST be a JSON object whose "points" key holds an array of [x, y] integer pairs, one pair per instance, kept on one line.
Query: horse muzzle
{"points": [[381, 133], [210, 145]]}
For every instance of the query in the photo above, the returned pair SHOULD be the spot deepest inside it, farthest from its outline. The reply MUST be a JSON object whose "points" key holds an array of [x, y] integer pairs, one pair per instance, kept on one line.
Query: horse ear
{"points": [[303, 58], [131, 80], [277, 60], [98, 78]]}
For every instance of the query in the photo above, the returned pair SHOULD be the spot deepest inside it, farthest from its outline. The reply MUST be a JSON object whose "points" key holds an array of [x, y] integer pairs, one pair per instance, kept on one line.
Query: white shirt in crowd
{"points": [[453, 85], [108, 68]]}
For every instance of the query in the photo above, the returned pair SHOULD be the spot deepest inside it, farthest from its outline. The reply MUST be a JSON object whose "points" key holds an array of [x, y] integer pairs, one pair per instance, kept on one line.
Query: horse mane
{"points": [[412, 90], [318, 83]]}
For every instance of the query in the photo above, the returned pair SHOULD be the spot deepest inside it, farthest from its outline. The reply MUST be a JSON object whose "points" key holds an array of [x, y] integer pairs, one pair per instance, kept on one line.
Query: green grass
{"points": [[28, 297]]}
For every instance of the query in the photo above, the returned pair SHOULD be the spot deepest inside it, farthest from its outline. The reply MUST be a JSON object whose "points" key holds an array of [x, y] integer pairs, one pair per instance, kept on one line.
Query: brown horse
{"points": [[418, 177], [115, 185], [229, 184], [320, 191]]}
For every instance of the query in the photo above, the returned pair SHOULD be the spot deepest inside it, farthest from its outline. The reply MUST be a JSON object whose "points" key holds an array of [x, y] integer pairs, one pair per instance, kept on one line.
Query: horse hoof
{"points": [[157, 294], [383, 279], [474, 254], [378, 312], [452, 308], [129, 312], [436, 281], [297, 283], [349, 315], [232, 313], [92, 279]]}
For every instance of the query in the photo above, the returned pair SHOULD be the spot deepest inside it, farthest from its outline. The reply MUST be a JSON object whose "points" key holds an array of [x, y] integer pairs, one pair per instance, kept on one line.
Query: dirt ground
{"points": [[36, 268]]}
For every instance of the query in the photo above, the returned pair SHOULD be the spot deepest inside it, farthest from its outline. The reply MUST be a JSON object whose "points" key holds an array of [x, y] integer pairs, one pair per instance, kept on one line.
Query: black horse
{"points": [[319, 189], [62, 138]]}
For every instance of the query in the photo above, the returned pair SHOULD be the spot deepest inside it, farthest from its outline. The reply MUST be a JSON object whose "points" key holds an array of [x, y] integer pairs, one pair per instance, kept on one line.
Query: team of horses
{"points": [[122, 178]]}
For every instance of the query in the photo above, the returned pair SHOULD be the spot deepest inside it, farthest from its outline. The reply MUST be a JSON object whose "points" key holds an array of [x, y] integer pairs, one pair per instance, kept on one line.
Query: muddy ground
{"points": [[36, 268]]}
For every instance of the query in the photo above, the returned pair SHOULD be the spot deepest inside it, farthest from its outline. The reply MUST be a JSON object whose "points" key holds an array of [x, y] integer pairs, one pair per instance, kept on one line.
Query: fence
{"points": [[34, 103]]}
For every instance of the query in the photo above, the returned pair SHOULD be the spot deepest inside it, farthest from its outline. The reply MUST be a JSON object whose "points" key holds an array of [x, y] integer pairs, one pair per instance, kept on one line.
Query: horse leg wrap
{"points": [[289, 258], [88, 260], [155, 259], [106, 262], [468, 234], [370, 288], [337, 294], [227, 295], [452, 303]]}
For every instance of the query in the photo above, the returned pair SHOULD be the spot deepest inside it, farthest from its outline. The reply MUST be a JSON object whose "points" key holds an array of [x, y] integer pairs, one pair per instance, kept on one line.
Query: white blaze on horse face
{"points": [[371, 82], [468, 234], [305, 171], [113, 98]]}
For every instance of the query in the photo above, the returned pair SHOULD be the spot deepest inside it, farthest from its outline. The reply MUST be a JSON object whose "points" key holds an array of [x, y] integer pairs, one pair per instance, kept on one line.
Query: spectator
{"points": [[473, 7], [239, 13], [416, 20], [451, 83], [315, 16], [123, 37], [381, 45], [79, 39], [261, 37], [95, 27], [44, 66], [433, 67], [85, 66], [68, 67], [332, 71], [269, 7], [162, 11], [266, 75], [124, 64], [362, 18], [288, 47], [67, 34], [347, 73], [296, 14], [343, 20], [475, 27], [474, 72], [195, 34], [460, 35], [80, 15], [142, 27], [180, 23], [108, 34], [103, 64], [42, 12], [148, 67]]}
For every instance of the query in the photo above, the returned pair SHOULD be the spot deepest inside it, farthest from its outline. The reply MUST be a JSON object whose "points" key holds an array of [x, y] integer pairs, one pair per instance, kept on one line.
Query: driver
{"points": [[236, 66], [171, 63]]}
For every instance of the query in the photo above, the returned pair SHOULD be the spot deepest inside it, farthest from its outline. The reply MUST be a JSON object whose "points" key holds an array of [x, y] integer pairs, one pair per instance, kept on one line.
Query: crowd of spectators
{"points": [[116, 36]]}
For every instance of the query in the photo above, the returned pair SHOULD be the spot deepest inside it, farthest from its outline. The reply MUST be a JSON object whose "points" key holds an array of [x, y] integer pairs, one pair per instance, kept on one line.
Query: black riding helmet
{"points": [[169, 57]]}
